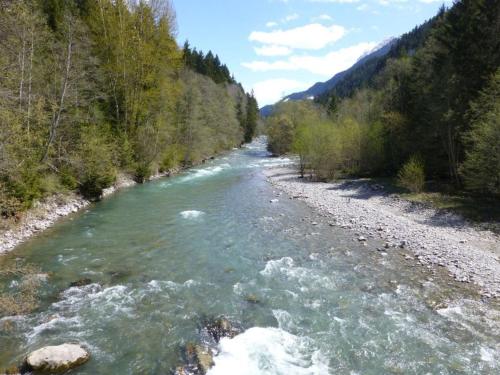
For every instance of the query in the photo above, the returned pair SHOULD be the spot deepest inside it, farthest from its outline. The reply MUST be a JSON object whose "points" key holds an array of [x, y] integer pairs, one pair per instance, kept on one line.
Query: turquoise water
{"points": [[166, 255]]}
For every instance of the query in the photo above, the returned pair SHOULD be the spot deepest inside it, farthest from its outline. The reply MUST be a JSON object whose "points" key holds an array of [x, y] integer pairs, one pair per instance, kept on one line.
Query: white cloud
{"points": [[312, 37], [272, 90], [325, 17], [290, 17], [273, 51], [327, 65]]}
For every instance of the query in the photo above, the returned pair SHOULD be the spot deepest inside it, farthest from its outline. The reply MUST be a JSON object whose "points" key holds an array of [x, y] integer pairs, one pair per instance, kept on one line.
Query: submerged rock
{"points": [[252, 298], [204, 359], [198, 358], [220, 328], [79, 283], [54, 359]]}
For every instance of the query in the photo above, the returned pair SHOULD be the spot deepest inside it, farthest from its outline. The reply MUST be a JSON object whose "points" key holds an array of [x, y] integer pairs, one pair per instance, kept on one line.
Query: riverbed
{"points": [[219, 240]]}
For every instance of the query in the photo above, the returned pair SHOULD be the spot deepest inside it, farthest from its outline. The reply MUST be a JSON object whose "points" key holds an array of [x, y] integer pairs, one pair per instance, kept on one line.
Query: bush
{"points": [[94, 163], [172, 157], [412, 175], [9, 205], [142, 172]]}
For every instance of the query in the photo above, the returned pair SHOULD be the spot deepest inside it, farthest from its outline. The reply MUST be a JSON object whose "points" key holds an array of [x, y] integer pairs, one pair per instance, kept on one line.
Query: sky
{"points": [[277, 47]]}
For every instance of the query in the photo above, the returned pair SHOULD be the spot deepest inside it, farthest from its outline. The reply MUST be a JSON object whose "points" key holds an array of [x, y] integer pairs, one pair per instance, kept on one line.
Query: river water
{"points": [[166, 255]]}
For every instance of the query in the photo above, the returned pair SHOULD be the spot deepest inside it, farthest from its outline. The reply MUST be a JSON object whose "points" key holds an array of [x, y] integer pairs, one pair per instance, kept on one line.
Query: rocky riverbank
{"points": [[436, 238], [46, 213]]}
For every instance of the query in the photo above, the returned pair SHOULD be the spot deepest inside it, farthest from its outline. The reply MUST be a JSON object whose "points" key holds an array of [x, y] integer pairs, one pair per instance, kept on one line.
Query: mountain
{"points": [[361, 74], [322, 87], [267, 110]]}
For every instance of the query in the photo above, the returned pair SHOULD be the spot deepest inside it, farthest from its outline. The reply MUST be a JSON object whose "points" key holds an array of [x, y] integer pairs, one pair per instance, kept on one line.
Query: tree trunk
{"points": [[57, 115], [22, 58], [30, 80]]}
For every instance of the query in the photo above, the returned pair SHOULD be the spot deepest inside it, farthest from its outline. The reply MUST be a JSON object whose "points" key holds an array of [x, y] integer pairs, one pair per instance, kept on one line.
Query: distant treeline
{"points": [[208, 65], [93, 88], [433, 103]]}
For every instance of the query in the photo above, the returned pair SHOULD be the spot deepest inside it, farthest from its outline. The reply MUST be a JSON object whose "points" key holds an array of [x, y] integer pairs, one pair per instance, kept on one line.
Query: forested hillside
{"points": [[93, 88], [431, 112], [363, 73]]}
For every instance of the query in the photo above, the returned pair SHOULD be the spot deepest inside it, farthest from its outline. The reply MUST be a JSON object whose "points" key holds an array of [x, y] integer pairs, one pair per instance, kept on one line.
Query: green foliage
{"points": [[208, 65], [9, 204], [207, 120], [412, 175], [115, 65], [481, 169], [430, 95], [349, 142], [365, 75], [172, 157], [280, 134], [94, 163], [250, 124]]}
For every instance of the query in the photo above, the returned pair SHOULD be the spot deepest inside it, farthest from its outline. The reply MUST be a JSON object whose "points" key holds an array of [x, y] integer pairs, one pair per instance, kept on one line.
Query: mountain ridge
{"points": [[362, 72]]}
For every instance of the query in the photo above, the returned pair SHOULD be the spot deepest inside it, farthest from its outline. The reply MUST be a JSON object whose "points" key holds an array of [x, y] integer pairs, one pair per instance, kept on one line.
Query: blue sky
{"points": [[276, 47]]}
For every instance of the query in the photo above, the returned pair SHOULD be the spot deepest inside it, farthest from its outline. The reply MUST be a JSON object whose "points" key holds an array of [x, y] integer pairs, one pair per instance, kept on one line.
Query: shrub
{"points": [[142, 172], [412, 175], [94, 164], [172, 157], [9, 205]]}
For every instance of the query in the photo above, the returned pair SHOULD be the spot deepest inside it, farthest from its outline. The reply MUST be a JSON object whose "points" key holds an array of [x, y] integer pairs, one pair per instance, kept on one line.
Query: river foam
{"points": [[191, 214], [204, 172], [268, 351]]}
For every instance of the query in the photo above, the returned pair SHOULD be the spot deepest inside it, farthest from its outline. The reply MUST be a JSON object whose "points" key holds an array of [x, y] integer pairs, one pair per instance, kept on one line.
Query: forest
{"points": [[90, 89], [428, 111]]}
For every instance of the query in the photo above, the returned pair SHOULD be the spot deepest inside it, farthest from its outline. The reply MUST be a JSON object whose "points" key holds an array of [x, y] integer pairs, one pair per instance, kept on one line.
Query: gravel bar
{"points": [[436, 238]]}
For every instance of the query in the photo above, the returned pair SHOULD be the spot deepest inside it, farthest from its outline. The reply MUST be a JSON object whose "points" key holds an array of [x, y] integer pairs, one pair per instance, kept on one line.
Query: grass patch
{"points": [[483, 210]]}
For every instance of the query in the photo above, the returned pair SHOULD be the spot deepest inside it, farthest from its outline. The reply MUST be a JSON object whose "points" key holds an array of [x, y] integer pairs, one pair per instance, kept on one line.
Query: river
{"points": [[310, 298]]}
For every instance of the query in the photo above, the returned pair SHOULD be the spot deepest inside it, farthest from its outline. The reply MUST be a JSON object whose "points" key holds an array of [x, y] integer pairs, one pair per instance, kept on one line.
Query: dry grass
{"points": [[23, 298]]}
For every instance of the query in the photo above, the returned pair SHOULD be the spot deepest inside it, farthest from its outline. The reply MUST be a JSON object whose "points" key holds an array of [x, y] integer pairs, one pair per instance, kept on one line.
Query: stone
{"points": [[252, 298], [204, 359], [220, 328], [54, 359], [361, 239], [79, 283], [274, 201]]}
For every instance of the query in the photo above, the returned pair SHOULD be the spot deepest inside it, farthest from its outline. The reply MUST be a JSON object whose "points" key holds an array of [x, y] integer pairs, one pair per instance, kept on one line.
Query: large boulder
{"points": [[57, 358], [220, 328]]}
